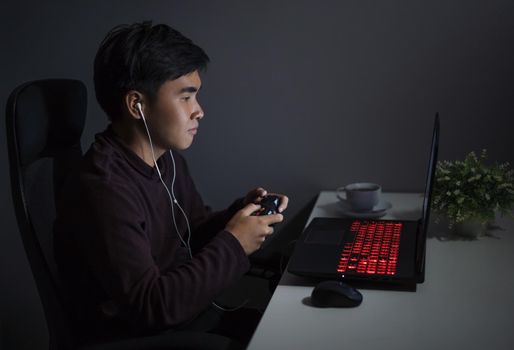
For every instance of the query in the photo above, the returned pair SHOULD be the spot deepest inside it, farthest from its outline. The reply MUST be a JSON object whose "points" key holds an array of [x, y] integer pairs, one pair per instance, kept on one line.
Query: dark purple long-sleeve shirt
{"points": [[119, 253]]}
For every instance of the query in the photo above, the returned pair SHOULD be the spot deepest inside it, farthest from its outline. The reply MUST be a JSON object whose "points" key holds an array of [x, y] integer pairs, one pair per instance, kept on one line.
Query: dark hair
{"points": [[141, 57]]}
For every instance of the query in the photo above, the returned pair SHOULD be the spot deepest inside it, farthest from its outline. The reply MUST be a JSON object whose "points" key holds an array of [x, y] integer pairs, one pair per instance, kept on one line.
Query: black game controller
{"points": [[269, 206]]}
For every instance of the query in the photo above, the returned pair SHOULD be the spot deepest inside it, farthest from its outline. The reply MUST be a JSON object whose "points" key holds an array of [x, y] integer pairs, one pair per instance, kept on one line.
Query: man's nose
{"points": [[198, 113]]}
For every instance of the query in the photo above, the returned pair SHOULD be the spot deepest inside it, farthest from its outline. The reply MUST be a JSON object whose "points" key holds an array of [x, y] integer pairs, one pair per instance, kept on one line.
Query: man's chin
{"points": [[181, 146]]}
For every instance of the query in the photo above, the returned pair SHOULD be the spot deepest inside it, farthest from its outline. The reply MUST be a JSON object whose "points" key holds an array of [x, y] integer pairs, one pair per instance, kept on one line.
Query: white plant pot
{"points": [[467, 230], [470, 229]]}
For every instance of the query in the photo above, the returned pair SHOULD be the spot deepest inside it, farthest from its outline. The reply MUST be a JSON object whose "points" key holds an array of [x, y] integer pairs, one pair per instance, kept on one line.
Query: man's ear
{"points": [[130, 101]]}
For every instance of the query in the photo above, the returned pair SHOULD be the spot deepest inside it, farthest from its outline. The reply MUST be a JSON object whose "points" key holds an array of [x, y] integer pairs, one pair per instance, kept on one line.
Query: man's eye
{"points": [[186, 98]]}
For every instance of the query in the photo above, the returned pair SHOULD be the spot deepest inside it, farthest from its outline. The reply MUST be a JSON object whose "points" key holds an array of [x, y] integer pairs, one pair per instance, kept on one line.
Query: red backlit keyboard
{"points": [[374, 250]]}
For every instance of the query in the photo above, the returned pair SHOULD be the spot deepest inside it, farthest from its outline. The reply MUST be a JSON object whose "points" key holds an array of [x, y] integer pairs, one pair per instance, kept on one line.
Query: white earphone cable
{"points": [[179, 206], [173, 199]]}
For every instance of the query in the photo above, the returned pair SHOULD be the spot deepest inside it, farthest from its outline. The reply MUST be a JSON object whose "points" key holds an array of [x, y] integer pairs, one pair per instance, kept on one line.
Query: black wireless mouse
{"points": [[335, 294]]}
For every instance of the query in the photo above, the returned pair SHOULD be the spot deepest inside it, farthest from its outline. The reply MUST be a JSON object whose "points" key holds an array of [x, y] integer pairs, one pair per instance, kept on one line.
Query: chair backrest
{"points": [[44, 124]]}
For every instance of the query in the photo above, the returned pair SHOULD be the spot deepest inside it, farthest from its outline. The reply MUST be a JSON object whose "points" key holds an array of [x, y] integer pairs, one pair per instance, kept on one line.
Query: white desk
{"points": [[466, 302]]}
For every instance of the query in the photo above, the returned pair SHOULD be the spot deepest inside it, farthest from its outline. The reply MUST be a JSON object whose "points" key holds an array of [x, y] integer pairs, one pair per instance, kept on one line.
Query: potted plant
{"points": [[468, 194]]}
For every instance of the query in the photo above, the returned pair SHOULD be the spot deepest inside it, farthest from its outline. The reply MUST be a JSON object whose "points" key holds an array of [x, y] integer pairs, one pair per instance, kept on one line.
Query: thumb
{"points": [[260, 192], [249, 209]]}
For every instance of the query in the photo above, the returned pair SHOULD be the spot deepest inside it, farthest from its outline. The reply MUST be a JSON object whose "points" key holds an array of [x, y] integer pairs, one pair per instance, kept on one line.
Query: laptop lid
{"points": [[425, 214]]}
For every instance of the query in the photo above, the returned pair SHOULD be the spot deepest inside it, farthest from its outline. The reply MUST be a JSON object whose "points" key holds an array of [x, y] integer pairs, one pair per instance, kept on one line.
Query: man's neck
{"points": [[137, 140]]}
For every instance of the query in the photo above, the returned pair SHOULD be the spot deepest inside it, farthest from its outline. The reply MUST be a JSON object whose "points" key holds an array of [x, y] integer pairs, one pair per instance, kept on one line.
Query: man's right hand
{"points": [[251, 231]]}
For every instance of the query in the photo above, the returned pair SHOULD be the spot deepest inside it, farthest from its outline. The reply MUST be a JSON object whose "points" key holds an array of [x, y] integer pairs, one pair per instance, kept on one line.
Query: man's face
{"points": [[174, 115]]}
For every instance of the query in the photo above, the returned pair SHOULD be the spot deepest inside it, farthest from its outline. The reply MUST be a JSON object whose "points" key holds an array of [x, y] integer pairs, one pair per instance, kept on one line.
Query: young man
{"points": [[136, 246]]}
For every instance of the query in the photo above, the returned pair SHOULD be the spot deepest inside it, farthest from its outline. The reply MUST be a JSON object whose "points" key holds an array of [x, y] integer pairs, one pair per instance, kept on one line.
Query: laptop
{"points": [[368, 250]]}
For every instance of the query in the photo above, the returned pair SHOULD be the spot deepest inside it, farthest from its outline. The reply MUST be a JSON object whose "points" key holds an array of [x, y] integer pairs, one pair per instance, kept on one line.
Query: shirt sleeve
{"points": [[117, 252]]}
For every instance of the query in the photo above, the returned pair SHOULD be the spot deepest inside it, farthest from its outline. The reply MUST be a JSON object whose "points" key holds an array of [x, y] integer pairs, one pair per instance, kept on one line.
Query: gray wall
{"points": [[300, 96]]}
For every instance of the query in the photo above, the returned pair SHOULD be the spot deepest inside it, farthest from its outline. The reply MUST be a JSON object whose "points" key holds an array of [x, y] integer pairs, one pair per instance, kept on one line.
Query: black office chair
{"points": [[45, 120]]}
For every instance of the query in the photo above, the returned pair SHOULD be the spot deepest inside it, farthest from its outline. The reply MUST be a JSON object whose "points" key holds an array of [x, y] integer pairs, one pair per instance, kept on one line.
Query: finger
{"points": [[268, 231], [284, 201], [261, 192], [249, 209], [258, 194], [272, 219]]}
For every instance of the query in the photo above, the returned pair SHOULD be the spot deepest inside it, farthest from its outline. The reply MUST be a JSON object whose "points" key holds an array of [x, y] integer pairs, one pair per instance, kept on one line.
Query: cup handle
{"points": [[341, 190]]}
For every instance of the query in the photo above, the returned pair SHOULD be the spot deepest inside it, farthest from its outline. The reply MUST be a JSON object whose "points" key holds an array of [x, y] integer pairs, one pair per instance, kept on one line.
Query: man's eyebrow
{"points": [[189, 89]]}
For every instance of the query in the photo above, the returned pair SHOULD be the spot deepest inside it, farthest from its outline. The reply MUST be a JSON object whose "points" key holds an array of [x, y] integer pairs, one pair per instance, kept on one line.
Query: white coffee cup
{"points": [[361, 196]]}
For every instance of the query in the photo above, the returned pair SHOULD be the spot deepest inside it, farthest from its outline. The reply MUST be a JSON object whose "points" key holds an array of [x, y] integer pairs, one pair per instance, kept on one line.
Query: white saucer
{"points": [[378, 210]]}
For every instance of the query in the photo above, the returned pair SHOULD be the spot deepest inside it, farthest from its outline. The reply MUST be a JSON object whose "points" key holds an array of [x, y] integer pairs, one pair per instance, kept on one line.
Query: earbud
{"points": [[139, 108]]}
